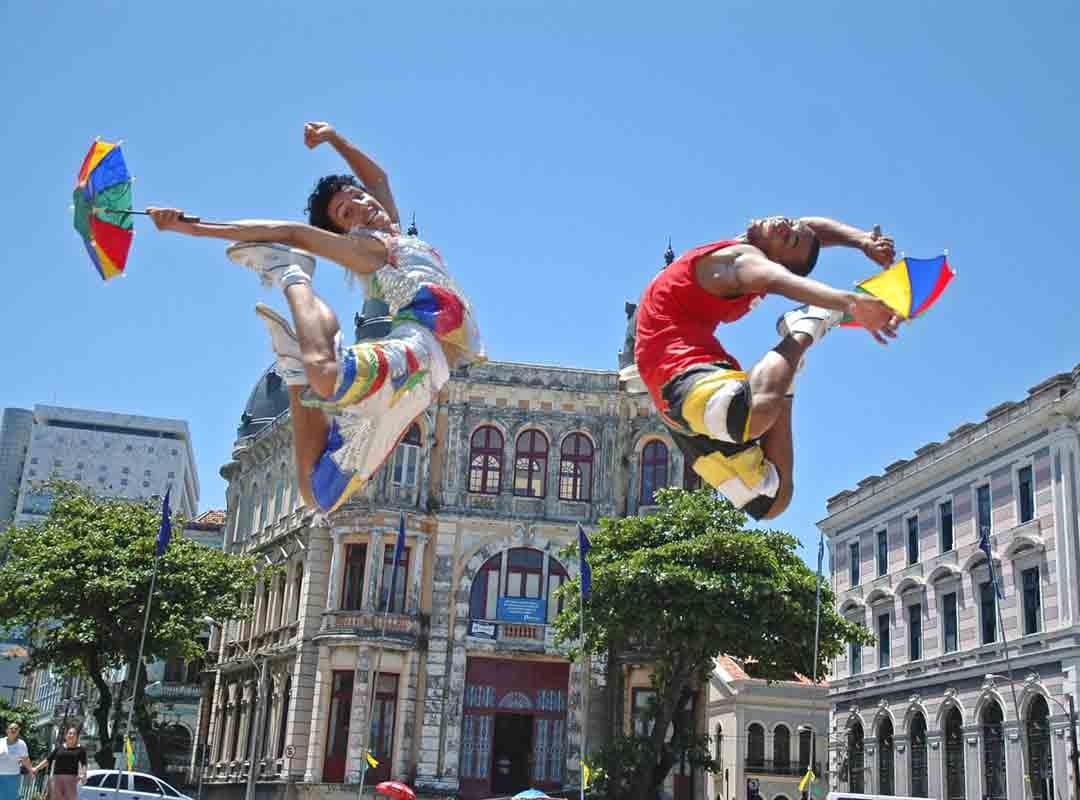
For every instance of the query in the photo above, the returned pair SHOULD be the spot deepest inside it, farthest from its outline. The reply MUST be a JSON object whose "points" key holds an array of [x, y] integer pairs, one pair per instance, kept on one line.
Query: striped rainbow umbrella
{"points": [[103, 208]]}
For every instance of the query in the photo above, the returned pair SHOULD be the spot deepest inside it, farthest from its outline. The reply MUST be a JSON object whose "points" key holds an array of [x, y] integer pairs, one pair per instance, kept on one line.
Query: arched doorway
{"points": [[954, 755], [856, 764], [886, 764], [1040, 766], [920, 772], [993, 736], [175, 742]]}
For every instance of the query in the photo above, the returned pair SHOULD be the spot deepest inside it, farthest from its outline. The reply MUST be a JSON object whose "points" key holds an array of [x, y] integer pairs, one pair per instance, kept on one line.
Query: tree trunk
{"points": [[144, 724], [104, 756]]}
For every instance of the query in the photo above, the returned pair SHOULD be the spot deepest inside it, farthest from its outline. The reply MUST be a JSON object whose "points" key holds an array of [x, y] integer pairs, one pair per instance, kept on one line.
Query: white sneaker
{"points": [[813, 321], [290, 364], [276, 264]]}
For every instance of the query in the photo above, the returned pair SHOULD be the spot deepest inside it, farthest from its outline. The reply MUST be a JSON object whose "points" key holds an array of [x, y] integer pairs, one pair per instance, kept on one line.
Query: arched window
{"points": [[755, 746], [856, 767], [298, 584], [286, 697], [1040, 767], [253, 512], [279, 499], [806, 748], [781, 747], [282, 586], [654, 470], [993, 731], [575, 468], [530, 464], [517, 573], [886, 759], [485, 460], [287, 497], [406, 458], [920, 772], [954, 755]]}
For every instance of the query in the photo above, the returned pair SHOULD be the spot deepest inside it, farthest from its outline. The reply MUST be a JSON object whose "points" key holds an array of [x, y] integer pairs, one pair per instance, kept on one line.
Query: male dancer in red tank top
{"points": [[734, 427]]}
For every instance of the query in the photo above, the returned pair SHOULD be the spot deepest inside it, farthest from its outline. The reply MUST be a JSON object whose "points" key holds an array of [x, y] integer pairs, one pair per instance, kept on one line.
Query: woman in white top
{"points": [[13, 754]]}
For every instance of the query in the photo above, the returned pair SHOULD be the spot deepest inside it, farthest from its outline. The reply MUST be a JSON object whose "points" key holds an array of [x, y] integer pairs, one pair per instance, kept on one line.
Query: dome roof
{"points": [[268, 401]]}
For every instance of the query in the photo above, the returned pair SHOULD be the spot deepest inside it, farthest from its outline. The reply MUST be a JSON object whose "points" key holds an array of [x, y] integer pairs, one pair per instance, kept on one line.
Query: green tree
{"points": [[24, 715], [678, 588], [77, 583]]}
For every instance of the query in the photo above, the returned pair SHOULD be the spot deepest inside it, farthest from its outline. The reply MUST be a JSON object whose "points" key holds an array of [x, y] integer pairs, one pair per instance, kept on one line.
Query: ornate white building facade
{"points": [[471, 696], [929, 709]]}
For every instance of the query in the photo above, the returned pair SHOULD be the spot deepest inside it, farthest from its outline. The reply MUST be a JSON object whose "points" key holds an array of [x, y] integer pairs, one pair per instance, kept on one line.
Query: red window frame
{"points": [[576, 468], [485, 460], [654, 470], [534, 456]]}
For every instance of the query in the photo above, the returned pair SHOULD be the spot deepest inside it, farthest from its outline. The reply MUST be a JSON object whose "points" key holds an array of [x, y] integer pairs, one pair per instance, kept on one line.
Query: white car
{"points": [[101, 784]]}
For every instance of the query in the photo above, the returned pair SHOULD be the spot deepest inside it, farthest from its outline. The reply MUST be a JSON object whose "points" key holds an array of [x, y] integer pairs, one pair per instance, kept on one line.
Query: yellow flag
{"points": [[808, 778], [130, 753], [587, 773], [371, 760]]}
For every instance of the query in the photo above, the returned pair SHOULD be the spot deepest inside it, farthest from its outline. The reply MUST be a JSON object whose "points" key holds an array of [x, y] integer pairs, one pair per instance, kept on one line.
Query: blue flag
{"points": [[399, 554], [584, 546], [165, 533], [984, 545]]}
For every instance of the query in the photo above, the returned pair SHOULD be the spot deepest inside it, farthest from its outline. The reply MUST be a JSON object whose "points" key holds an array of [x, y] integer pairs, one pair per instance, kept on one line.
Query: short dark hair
{"points": [[812, 257], [318, 205]]}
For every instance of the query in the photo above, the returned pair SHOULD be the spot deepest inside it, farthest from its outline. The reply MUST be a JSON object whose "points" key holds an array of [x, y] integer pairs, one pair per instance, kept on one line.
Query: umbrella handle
{"points": [[183, 217]]}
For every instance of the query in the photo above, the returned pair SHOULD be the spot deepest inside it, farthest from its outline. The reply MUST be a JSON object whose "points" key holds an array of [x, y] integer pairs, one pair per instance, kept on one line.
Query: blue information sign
{"points": [[522, 609]]}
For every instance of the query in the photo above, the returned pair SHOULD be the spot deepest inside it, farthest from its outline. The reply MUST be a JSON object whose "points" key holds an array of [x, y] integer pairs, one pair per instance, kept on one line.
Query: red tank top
{"points": [[676, 320]]}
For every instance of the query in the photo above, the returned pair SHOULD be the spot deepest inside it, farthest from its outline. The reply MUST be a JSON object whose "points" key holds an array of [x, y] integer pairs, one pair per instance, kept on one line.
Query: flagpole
{"points": [[399, 547], [585, 578], [817, 643], [163, 533]]}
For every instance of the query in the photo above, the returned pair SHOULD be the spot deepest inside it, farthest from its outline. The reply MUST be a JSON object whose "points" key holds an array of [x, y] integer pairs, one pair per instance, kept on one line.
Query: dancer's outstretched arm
{"points": [[370, 174], [361, 255], [833, 233]]}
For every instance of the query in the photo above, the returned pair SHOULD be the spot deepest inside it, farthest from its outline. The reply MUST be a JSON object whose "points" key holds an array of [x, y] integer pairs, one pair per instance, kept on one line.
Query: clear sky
{"points": [[549, 149]]}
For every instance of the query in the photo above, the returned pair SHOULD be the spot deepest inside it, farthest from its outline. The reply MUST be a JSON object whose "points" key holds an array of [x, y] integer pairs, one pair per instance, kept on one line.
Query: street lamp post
{"points": [[261, 673], [1070, 710]]}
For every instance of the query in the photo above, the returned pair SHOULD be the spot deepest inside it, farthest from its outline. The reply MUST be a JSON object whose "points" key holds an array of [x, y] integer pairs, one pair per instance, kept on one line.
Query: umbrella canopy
{"points": [[531, 794], [910, 286], [103, 208], [395, 790]]}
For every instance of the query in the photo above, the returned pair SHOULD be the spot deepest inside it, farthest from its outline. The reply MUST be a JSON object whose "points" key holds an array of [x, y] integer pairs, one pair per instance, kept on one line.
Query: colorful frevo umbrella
{"points": [[910, 286], [103, 208]]}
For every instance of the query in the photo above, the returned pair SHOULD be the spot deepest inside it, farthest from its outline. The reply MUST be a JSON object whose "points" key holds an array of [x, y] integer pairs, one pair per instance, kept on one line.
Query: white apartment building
{"points": [[933, 708]]}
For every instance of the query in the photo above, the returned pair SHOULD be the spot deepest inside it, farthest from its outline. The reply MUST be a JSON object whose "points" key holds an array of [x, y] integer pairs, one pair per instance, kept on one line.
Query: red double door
{"points": [[381, 743], [513, 733]]}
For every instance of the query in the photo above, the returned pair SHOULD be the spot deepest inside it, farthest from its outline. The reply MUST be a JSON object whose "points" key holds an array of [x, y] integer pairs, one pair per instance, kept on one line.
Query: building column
{"points": [[901, 766], [337, 555], [416, 571], [360, 715], [935, 763], [436, 771], [320, 704], [973, 777], [871, 778], [1015, 761], [301, 719], [575, 723], [407, 721]]}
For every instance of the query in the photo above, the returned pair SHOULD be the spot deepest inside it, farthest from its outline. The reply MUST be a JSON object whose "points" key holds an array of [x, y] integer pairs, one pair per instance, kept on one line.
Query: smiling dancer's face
{"points": [[352, 207]]}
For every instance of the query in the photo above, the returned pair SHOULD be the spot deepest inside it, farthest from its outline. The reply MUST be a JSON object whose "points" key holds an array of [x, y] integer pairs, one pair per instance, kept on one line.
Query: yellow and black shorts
{"points": [[709, 416]]}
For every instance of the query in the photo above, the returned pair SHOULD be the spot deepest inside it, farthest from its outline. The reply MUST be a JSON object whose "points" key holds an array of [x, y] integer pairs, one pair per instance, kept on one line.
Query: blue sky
{"points": [[549, 149]]}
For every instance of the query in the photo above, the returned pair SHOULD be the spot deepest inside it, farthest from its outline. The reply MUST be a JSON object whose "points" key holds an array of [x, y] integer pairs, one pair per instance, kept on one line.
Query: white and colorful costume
{"points": [[384, 384]]}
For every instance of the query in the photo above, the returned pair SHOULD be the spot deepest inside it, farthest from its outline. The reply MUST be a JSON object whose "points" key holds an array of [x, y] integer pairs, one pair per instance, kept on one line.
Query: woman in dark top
{"points": [[68, 763]]}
